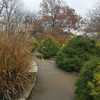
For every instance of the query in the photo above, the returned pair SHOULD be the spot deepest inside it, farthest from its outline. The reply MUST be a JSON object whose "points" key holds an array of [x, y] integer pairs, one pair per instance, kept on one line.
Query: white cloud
{"points": [[31, 5], [81, 6]]}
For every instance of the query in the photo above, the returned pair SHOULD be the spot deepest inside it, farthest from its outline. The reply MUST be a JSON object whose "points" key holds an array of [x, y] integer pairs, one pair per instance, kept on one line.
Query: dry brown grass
{"points": [[15, 62]]}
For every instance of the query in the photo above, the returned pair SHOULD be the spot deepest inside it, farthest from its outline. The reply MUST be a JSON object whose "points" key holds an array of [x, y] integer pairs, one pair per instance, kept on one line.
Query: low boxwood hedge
{"points": [[49, 48], [88, 84], [73, 55]]}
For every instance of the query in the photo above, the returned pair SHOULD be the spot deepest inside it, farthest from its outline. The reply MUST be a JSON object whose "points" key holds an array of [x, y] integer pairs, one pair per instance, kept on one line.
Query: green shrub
{"points": [[35, 44], [88, 84], [49, 47], [72, 56]]}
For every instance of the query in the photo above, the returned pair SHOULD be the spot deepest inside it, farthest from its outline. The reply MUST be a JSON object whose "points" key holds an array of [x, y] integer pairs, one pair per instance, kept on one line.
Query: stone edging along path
{"points": [[34, 71]]}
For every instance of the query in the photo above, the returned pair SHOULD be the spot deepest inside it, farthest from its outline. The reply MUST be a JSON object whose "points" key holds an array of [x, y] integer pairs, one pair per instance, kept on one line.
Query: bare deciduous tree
{"points": [[49, 8], [10, 15], [56, 14], [93, 20]]}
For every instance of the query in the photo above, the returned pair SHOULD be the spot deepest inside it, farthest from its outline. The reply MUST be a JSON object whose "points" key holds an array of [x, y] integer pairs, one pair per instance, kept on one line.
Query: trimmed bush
{"points": [[88, 84], [15, 64], [35, 44], [49, 47], [72, 55]]}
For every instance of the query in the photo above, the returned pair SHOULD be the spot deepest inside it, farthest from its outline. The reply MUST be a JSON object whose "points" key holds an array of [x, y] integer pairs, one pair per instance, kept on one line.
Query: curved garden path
{"points": [[53, 83]]}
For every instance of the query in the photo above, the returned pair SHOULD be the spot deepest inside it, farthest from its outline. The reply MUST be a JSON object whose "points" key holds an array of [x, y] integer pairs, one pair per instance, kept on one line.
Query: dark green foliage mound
{"points": [[72, 56], [88, 84], [49, 48], [35, 44]]}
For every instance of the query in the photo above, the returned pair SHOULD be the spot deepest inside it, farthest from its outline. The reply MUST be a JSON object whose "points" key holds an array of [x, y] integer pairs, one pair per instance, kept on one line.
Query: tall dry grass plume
{"points": [[15, 62]]}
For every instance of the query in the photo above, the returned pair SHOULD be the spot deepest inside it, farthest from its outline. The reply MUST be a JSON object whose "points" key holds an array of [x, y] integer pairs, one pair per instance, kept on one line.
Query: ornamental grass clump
{"points": [[15, 64]]}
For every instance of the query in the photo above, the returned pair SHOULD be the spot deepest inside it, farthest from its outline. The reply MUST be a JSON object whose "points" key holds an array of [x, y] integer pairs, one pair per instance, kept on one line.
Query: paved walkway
{"points": [[53, 83]]}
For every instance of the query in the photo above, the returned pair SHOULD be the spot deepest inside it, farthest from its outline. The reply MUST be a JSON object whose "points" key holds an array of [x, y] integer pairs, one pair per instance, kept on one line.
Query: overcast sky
{"points": [[81, 6]]}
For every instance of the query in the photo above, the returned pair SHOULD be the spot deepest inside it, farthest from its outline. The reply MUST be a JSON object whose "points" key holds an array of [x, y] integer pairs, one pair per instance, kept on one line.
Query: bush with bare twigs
{"points": [[15, 62]]}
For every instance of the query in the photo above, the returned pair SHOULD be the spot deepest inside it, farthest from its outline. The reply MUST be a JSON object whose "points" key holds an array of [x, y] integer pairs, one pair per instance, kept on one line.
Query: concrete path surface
{"points": [[53, 83]]}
